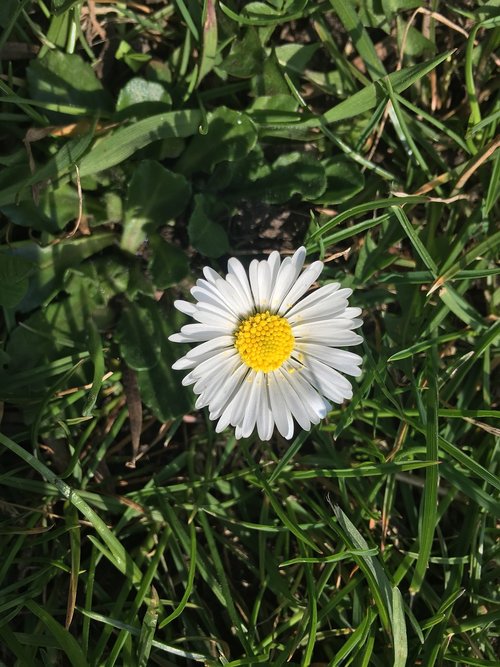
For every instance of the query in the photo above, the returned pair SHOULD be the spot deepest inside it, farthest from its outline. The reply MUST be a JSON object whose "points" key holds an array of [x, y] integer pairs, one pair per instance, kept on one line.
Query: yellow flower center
{"points": [[264, 341]]}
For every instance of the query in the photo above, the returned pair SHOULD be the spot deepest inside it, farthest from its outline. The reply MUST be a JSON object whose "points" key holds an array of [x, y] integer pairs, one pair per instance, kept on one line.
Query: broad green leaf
{"points": [[155, 195], [206, 235], [101, 280], [344, 179], [372, 15], [64, 78], [160, 386], [14, 272], [139, 283], [392, 7], [272, 80], [275, 109], [9, 9], [168, 265], [136, 335], [51, 261], [246, 56], [415, 43], [291, 174], [62, 163], [141, 91], [39, 346], [230, 136], [295, 57], [122, 143], [133, 59], [58, 205], [261, 14]]}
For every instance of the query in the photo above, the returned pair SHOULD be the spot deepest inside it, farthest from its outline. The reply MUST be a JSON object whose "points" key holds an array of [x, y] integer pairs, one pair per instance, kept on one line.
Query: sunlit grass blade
{"points": [[377, 579], [356, 640], [116, 623], [190, 581], [428, 514], [75, 545], [399, 629], [148, 629], [120, 557], [65, 640]]}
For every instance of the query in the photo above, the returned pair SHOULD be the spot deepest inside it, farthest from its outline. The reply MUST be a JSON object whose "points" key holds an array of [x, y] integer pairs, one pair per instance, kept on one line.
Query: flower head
{"points": [[266, 354]]}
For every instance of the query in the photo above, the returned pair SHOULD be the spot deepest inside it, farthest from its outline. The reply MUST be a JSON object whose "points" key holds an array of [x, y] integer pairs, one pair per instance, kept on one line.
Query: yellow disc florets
{"points": [[264, 341]]}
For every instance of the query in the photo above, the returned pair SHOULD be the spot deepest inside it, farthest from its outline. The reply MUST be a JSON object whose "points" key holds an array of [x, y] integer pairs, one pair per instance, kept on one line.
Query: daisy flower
{"points": [[266, 354]]}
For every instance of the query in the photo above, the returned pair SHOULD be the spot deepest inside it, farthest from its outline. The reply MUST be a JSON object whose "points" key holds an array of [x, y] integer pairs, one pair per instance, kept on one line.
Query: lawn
{"points": [[142, 141]]}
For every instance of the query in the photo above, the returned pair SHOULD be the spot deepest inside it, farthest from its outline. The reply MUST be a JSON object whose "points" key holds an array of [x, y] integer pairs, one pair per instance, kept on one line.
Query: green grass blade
{"points": [[428, 517], [120, 557], [373, 94], [148, 629], [119, 145], [65, 640], [415, 240]]}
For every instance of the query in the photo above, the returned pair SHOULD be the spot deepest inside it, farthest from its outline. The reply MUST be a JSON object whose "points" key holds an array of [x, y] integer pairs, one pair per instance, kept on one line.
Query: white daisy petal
{"points": [[236, 270], [293, 400], [284, 280], [206, 349], [211, 275], [319, 311], [264, 353], [211, 297], [341, 360], [251, 408], [335, 338], [322, 328], [265, 419], [274, 261], [312, 401], [230, 295], [218, 362], [281, 413], [286, 276], [246, 300], [330, 382], [235, 409], [225, 392], [265, 285], [185, 307], [302, 284], [213, 319], [298, 259], [320, 295], [208, 383], [201, 332], [253, 275], [353, 313]]}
